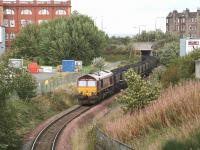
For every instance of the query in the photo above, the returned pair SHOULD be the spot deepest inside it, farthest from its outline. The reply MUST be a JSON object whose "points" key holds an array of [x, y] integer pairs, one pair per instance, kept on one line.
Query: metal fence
{"points": [[52, 84], [104, 142]]}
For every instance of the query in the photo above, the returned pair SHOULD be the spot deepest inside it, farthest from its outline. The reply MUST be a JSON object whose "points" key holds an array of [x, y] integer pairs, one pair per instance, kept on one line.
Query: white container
{"points": [[47, 69]]}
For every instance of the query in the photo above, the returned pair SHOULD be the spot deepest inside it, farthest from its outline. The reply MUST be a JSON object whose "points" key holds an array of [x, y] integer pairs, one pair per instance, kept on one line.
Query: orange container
{"points": [[33, 68]]}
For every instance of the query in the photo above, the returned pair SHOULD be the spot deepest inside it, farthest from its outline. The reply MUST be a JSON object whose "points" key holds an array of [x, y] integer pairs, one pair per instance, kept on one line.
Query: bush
{"points": [[9, 139], [99, 63], [138, 94], [7, 76], [180, 69], [169, 52], [25, 85]]}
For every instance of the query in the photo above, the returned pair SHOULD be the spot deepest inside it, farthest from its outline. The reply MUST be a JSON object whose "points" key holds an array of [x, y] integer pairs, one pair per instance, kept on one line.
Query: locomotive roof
{"points": [[99, 75]]}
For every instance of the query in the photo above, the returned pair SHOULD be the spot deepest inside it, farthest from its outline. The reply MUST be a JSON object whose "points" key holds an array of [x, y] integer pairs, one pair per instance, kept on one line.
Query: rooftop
{"points": [[34, 2]]}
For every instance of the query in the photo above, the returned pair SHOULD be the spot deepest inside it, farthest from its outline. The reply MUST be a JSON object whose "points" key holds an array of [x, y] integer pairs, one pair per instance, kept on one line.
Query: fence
{"points": [[104, 142], [58, 82]]}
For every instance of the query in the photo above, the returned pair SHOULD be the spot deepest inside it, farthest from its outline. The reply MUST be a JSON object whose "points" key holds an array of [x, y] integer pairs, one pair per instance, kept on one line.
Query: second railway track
{"points": [[47, 138]]}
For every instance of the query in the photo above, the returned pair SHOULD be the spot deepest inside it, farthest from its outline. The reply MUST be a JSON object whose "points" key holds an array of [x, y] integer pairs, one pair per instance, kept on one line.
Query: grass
{"points": [[30, 113], [174, 119]]}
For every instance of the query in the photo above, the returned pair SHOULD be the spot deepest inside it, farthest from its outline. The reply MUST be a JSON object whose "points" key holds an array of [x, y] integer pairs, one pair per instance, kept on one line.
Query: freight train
{"points": [[95, 87]]}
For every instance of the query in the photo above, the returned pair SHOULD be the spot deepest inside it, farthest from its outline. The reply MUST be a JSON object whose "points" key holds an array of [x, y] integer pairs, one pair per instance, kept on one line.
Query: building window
{"points": [[167, 20], [25, 22], [183, 20], [26, 12], [12, 23], [177, 28], [178, 20], [12, 36], [9, 11], [6, 22], [61, 12], [41, 21], [195, 19], [9, 23], [192, 19], [190, 27], [43, 11]]}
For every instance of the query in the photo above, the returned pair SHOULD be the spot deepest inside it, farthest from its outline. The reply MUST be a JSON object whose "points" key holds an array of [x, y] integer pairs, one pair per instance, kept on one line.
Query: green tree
{"points": [[138, 94], [26, 44], [74, 37]]}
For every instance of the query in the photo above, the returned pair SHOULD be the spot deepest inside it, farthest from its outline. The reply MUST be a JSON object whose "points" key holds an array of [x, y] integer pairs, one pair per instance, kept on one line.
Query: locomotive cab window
{"points": [[91, 83], [82, 83]]}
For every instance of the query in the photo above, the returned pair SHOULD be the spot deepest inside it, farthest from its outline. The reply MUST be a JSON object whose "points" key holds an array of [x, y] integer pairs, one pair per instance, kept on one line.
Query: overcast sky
{"points": [[124, 17]]}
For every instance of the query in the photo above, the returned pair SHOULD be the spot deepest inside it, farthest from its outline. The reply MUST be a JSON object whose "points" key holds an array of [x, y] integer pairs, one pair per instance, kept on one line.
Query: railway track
{"points": [[48, 137]]}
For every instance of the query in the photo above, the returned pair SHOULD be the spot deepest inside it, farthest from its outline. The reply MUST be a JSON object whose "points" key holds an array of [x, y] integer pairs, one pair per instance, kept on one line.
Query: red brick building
{"points": [[16, 14]]}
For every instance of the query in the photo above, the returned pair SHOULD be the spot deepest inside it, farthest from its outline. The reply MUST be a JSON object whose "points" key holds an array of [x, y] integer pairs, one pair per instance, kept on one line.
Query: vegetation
{"points": [[168, 53], [7, 76], [180, 69], [175, 115], [75, 37], [138, 94], [99, 62], [24, 89]]}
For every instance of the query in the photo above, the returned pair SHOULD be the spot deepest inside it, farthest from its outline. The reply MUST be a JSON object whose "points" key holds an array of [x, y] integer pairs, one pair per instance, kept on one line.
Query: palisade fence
{"points": [[104, 142], [58, 82]]}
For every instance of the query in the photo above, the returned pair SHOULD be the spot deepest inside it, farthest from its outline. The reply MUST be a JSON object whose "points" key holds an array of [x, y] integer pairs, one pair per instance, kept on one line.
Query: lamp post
{"points": [[139, 27]]}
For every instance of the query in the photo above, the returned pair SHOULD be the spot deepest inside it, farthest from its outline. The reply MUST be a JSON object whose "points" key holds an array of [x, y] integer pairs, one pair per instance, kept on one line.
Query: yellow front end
{"points": [[87, 91]]}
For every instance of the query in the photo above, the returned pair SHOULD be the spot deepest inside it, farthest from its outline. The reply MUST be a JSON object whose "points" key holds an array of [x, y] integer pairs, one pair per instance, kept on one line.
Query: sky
{"points": [[127, 16]]}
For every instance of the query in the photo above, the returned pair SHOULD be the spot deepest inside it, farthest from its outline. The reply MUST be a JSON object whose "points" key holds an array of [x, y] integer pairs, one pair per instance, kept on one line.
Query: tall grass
{"points": [[176, 106]]}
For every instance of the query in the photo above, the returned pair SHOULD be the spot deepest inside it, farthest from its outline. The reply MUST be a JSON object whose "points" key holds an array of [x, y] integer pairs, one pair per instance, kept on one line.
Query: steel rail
{"points": [[37, 141], [60, 131]]}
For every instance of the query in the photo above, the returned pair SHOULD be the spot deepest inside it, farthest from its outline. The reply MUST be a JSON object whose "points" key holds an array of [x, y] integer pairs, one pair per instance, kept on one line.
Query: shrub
{"points": [[25, 85], [99, 63], [169, 52], [138, 94], [180, 69], [9, 139], [7, 76]]}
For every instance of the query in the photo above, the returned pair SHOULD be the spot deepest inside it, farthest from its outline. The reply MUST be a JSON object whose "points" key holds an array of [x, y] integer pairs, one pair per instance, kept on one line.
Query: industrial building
{"points": [[14, 15]]}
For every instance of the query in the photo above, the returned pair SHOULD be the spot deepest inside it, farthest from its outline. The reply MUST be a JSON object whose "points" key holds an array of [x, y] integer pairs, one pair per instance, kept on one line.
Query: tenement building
{"points": [[14, 15], [186, 23]]}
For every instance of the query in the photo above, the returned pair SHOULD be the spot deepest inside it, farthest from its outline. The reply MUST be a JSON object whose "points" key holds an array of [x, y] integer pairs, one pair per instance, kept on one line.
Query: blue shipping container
{"points": [[68, 65]]}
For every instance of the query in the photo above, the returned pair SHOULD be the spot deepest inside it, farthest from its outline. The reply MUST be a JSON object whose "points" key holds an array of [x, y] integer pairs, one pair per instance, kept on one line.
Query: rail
{"points": [[55, 129]]}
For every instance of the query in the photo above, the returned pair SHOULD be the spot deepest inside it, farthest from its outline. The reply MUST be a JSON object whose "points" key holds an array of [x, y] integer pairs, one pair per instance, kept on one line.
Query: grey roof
{"points": [[182, 14], [101, 75], [143, 46]]}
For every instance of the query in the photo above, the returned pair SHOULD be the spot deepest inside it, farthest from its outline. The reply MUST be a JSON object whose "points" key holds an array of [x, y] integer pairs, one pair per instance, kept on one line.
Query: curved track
{"points": [[47, 138]]}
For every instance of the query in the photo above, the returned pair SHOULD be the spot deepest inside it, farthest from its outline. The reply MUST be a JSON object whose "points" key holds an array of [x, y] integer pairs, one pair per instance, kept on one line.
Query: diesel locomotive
{"points": [[95, 87]]}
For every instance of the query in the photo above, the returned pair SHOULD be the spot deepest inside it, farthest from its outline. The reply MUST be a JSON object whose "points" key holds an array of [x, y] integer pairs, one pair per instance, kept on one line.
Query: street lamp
{"points": [[156, 21], [139, 27]]}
